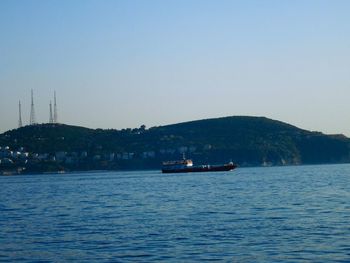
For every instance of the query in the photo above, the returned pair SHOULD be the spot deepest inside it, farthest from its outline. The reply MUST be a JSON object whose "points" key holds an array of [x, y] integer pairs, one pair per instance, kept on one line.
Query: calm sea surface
{"points": [[279, 214]]}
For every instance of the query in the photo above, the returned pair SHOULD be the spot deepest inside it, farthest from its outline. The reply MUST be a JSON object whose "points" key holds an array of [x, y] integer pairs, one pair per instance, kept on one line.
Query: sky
{"points": [[120, 64]]}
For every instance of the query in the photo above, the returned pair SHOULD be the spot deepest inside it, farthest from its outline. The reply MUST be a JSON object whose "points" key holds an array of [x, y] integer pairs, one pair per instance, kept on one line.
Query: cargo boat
{"points": [[186, 166]]}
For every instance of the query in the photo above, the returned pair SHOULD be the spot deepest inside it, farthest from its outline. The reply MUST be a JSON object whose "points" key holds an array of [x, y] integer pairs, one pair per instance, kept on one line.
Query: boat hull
{"points": [[204, 168]]}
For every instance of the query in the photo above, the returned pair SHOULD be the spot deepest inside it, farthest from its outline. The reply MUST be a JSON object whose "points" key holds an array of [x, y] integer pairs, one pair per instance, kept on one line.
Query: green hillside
{"points": [[255, 140], [248, 141]]}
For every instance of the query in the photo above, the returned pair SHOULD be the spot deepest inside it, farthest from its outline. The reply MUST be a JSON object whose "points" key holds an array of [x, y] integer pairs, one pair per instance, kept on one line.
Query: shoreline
{"points": [[16, 173]]}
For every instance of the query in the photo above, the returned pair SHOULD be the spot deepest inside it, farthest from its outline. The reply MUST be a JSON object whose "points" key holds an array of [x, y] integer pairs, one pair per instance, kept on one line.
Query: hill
{"points": [[248, 141], [259, 140]]}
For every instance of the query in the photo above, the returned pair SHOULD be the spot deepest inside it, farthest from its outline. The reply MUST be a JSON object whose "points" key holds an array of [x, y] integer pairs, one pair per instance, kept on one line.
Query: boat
{"points": [[186, 166]]}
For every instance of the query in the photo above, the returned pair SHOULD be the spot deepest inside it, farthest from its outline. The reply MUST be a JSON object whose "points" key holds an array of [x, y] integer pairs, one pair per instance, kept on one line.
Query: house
{"points": [[150, 154]]}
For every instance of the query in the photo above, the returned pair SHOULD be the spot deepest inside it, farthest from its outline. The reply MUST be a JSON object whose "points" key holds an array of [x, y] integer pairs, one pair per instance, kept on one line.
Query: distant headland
{"points": [[247, 141]]}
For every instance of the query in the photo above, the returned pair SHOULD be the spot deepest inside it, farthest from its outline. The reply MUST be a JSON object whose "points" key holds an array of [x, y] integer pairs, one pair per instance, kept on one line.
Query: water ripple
{"points": [[280, 214]]}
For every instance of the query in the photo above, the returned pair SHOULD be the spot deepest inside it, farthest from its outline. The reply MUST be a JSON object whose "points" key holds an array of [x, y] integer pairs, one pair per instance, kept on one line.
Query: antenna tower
{"points": [[20, 115], [55, 117], [32, 120], [51, 118]]}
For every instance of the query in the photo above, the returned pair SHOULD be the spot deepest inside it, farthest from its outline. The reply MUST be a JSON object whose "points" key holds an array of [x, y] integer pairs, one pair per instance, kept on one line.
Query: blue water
{"points": [[278, 214]]}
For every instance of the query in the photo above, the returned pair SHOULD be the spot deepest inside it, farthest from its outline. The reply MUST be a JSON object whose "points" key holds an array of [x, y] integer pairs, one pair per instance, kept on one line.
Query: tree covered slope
{"points": [[244, 140]]}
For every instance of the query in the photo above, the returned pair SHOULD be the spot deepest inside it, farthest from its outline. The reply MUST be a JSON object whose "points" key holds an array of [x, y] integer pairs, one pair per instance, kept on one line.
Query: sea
{"points": [[266, 214]]}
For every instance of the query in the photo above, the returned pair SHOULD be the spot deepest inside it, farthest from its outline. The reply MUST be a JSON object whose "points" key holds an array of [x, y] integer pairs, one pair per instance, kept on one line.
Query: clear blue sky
{"points": [[118, 64]]}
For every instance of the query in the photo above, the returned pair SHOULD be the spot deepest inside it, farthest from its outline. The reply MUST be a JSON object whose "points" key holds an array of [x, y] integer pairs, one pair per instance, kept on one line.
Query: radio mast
{"points": [[20, 115], [55, 117], [32, 120], [51, 118]]}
